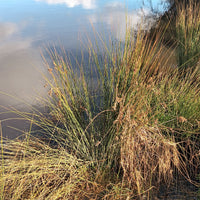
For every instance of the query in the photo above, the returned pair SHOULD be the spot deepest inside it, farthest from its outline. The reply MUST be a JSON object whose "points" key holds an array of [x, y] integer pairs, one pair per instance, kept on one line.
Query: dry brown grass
{"points": [[37, 171], [147, 158]]}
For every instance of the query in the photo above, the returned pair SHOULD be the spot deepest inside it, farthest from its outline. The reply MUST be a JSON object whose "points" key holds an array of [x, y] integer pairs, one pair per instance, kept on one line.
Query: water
{"points": [[28, 26]]}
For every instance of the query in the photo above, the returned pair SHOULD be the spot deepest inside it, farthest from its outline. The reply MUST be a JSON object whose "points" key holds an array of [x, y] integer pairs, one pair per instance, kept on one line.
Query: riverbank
{"points": [[121, 135]]}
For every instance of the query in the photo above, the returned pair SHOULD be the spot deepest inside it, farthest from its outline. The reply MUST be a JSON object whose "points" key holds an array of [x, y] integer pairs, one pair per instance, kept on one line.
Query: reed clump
{"points": [[116, 127]]}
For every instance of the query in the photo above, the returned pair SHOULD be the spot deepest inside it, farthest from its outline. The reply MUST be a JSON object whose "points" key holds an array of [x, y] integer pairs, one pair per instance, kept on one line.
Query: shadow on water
{"points": [[13, 124]]}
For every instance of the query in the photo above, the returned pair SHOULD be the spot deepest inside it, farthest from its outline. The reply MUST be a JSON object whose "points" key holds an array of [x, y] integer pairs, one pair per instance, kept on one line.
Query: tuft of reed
{"points": [[116, 127], [156, 114], [187, 33]]}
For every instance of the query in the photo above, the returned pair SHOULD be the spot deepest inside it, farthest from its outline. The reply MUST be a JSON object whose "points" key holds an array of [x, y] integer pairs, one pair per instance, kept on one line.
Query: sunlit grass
{"points": [[40, 171], [188, 33], [115, 128]]}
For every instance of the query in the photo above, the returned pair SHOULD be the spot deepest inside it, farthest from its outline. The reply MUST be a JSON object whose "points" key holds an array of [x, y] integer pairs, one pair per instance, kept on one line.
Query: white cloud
{"points": [[20, 76], [117, 20], [87, 4], [115, 5], [7, 29], [19, 62]]}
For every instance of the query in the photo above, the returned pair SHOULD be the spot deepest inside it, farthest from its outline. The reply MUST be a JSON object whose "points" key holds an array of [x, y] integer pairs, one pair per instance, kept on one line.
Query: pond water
{"points": [[27, 26]]}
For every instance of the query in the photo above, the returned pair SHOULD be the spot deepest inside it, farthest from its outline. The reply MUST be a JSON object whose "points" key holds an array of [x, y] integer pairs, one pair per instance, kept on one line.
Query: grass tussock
{"points": [[36, 171], [116, 127], [187, 33]]}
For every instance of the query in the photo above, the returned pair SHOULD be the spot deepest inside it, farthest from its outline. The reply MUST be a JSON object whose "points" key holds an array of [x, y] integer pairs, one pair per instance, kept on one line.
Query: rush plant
{"points": [[115, 127]]}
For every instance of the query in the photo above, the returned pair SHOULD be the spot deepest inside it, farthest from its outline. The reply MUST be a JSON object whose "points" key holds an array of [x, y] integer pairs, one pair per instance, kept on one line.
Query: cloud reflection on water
{"points": [[19, 63], [7, 29], [117, 18], [87, 4], [20, 76]]}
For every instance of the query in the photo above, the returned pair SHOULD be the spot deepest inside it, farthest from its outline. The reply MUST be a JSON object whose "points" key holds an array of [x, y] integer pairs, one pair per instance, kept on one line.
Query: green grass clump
{"points": [[184, 31], [187, 33], [116, 127]]}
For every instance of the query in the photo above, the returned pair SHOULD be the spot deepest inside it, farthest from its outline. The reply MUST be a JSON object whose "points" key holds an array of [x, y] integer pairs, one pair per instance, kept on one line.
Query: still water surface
{"points": [[27, 26]]}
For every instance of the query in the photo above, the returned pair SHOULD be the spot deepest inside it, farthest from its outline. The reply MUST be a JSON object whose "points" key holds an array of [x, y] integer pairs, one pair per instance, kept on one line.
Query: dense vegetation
{"points": [[120, 126]]}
